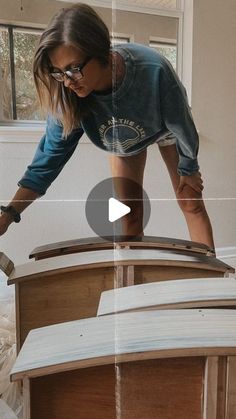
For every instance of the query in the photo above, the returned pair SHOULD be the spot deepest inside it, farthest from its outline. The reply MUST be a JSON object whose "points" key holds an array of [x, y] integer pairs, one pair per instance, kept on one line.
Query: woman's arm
{"points": [[51, 156], [21, 200]]}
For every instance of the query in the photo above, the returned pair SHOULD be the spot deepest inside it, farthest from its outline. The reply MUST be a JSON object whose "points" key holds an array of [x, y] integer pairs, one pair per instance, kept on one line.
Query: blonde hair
{"points": [[79, 26]]}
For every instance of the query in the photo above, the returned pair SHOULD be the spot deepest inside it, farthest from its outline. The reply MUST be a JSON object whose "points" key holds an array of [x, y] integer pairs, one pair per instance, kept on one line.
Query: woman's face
{"points": [[95, 76]]}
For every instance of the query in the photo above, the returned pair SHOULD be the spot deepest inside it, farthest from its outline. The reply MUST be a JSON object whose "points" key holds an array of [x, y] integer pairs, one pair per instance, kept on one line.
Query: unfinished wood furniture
{"points": [[140, 365], [97, 243], [185, 293], [68, 287]]}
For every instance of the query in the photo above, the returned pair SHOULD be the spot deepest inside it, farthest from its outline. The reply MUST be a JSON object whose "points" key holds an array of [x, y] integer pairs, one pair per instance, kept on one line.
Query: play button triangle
{"points": [[117, 210]]}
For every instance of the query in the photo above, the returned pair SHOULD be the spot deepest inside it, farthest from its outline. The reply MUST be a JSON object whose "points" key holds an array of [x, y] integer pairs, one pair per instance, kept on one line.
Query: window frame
{"points": [[10, 29], [184, 13], [122, 37]]}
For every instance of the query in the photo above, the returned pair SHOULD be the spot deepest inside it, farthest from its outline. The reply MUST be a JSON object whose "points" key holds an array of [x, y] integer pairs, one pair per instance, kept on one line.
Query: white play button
{"points": [[117, 210], [106, 212]]}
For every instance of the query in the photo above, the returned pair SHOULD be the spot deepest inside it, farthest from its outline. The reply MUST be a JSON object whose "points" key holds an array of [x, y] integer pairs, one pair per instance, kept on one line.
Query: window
{"points": [[18, 97], [119, 39], [168, 48]]}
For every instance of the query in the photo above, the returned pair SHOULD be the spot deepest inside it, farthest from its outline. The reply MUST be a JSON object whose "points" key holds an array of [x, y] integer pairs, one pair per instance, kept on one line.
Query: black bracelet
{"points": [[12, 211]]}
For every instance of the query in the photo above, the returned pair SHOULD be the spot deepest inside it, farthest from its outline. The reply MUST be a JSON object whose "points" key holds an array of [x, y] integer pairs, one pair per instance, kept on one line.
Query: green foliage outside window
{"points": [[20, 103]]}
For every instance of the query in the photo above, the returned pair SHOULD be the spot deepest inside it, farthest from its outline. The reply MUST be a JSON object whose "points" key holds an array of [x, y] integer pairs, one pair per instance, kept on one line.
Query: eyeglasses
{"points": [[74, 73]]}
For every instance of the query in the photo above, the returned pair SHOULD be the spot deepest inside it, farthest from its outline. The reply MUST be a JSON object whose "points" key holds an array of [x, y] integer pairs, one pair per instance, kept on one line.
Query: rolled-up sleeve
{"points": [[52, 154], [177, 117]]}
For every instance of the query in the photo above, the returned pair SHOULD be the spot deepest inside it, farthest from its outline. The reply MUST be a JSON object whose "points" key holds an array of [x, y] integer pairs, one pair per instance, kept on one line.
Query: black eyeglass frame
{"points": [[70, 73]]}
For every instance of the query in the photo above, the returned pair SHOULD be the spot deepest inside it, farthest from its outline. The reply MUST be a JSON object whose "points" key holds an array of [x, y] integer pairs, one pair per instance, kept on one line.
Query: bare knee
{"points": [[191, 202], [191, 207]]}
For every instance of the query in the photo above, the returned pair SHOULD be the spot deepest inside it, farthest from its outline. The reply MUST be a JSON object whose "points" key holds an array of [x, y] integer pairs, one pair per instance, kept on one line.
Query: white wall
{"points": [[56, 217], [214, 104]]}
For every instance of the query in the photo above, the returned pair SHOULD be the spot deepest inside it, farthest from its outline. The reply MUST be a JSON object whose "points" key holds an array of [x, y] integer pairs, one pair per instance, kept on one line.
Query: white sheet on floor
{"points": [[11, 400]]}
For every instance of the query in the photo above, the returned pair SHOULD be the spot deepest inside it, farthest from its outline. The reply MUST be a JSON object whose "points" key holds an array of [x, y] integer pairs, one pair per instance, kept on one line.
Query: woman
{"points": [[125, 99]]}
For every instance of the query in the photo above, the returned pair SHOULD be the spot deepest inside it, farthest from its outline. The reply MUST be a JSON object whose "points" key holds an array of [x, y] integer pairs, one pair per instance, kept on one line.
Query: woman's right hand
{"points": [[5, 221]]}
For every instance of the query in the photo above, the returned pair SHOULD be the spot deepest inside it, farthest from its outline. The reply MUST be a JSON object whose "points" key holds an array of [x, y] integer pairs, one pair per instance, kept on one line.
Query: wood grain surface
{"points": [[166, 389], [197, 292], [117, 257], [126, 336], [98, 243], [59, 298]]}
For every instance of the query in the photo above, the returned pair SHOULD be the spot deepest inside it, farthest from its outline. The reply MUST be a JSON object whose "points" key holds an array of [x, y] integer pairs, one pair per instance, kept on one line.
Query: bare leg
{"points": [[130, 167], [194, 210]]}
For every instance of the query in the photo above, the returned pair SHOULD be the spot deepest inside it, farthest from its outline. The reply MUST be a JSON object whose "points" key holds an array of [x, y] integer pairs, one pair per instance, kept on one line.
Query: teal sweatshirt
{"points": [[150, 103]]}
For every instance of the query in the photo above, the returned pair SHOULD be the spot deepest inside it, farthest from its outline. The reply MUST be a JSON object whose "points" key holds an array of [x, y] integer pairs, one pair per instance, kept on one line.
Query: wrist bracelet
{"points": [[12, 211]]}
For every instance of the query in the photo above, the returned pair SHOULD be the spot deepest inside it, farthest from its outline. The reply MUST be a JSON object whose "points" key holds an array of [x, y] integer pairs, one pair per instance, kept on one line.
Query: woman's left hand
{"points": [[194, 181]]}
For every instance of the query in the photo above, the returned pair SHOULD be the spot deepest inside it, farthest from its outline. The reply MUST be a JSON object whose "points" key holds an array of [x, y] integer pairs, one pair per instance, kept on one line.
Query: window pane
{"points": [[169, 51], [156, 4], [5, 77], [119, 40], [27, 105]]}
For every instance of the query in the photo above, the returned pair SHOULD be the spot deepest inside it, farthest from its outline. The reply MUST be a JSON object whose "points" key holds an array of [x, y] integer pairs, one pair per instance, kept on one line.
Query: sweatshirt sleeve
{"points": [[52, 154], [177, 117]]}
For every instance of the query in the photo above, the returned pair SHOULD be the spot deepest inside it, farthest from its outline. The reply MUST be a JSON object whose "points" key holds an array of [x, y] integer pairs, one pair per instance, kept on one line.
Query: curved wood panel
{"points": [[198, 292], [126, 337], [116, 257], [97, 243]]}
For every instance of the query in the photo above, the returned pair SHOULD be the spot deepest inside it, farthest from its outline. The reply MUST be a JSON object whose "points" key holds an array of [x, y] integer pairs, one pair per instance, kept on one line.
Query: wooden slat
{"points": [[97, 243], [198, 292], [210, 388], [221, 388], [231, 390], [26, 398], [116, 257], [125, 337]]}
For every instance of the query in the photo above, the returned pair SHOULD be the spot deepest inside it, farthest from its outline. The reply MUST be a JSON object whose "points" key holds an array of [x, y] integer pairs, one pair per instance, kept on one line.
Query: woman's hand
{"points": [[194, 181], [5, 221]]}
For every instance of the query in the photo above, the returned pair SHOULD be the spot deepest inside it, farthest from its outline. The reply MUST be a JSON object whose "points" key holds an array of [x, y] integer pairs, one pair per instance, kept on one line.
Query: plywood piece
{"points": [[125, 337], [61, 298], [87, 394], [198, 292], [167, 389], [145, 274], [98, 243], [114, 258]]}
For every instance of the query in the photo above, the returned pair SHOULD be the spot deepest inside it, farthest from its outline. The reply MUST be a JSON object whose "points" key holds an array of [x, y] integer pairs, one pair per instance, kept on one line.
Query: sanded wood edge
{"points": [[6, 264], [127, 357], [98, 243], [174, 306], [218, 267]]}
